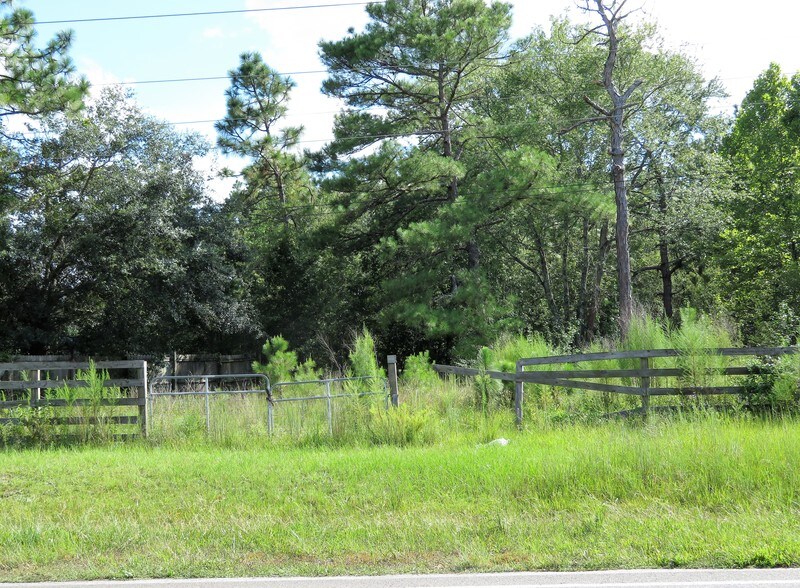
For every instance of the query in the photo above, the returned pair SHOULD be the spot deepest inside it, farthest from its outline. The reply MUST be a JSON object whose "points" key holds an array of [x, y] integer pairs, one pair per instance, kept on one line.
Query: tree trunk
{"points": [[567, 291], [624, 288], [611, 16], [582, 310], [602, 254], [547, 283], [663, 248]]}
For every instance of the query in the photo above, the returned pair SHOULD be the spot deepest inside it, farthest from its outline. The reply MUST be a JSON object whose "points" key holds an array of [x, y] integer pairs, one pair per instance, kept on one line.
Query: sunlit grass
{"points": [[711, 491]]}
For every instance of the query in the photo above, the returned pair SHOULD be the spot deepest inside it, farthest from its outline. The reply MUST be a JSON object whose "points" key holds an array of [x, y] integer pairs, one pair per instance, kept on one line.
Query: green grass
{"points": [[698, 492]]}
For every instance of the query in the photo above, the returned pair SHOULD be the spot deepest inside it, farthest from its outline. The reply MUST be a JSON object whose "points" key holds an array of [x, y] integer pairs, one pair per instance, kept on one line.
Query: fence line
{"points": [[19, 380], [267, 389], [577, 378]]}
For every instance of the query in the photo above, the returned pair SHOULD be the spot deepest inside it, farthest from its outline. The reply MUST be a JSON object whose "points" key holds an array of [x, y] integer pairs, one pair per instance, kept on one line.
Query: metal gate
{"points": [[360, 387], [199, 387], [306, 394]]}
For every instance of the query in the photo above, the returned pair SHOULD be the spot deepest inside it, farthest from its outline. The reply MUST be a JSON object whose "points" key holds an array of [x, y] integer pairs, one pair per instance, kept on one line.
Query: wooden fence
{"points": [[583, 379], [28, 384], [174, 364]]}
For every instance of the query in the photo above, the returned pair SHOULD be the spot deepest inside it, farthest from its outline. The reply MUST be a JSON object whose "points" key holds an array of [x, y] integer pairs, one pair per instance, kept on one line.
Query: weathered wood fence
{"points": [[583, 379], [28, 384], [174, 364]]}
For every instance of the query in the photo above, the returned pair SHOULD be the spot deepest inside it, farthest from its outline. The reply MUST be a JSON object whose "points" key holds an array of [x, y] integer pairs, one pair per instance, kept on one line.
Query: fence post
{"points": [[173, 385], [330, 407], [36, 393], [142, 394], [644, 363], [519, 393], [208, 406], [391, 364]]}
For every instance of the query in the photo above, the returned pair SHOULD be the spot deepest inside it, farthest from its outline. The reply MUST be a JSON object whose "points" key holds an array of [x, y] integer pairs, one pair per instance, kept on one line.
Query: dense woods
{"points": [[477, 185]]}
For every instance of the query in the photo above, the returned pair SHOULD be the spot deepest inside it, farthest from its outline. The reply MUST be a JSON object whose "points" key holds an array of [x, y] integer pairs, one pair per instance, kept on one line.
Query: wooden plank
{"points": [[599, 356], [644, 353], [647, 373], [13, 403], [455, 370], [79, 439], [36, 393], [54, 384], [114, 420], [88, 402], [543, 378], [738, 351], [69, 365], [699, 391], [597, 387]]}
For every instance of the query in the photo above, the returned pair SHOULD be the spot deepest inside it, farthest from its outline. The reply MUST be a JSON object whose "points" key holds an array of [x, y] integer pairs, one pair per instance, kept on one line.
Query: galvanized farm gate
{"points": [[259, 384]]}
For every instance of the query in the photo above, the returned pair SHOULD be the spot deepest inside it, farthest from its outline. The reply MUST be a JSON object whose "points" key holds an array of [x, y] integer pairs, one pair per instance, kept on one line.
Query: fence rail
{"points": [[37, 377], [581, 379]]}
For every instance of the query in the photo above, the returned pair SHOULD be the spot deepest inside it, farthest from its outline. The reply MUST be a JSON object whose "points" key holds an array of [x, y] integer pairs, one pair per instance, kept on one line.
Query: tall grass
{"points": [[679, 492]]}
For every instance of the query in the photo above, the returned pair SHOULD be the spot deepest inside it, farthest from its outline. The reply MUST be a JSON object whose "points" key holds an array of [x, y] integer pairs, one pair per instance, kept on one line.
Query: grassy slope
{"points": [[685, 494]]}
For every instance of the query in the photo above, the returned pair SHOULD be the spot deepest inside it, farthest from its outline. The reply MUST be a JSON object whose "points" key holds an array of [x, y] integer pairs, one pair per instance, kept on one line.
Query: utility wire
{"points": [[209, 78], [209, 13]]}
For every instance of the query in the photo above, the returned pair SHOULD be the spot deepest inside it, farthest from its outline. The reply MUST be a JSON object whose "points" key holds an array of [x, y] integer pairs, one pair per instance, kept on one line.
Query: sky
{"points": [[731, 41]]}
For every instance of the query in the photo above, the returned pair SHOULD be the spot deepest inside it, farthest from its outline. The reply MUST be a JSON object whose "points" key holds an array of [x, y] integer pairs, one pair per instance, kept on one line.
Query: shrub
{"points": [[418, 370], [400, 426], [488, 391], [280, 362]]}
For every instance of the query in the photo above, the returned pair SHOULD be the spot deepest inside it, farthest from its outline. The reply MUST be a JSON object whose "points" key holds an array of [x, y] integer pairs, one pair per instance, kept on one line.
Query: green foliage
{"points": [[774, 384], [401, 426], [696, 335], [35, 80], [280, 362], [418, 370], [363, 357], [116, 249], [646, 332], [760, 251], [487, 389]]}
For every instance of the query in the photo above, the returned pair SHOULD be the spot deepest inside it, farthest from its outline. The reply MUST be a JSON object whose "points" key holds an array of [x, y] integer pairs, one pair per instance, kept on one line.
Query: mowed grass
{"points": [[708, 492]]}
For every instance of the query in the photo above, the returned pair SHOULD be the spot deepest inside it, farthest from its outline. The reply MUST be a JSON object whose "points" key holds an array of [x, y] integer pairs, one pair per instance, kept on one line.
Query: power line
{"points": [[275, 74], [209, 78], [209, 13]]}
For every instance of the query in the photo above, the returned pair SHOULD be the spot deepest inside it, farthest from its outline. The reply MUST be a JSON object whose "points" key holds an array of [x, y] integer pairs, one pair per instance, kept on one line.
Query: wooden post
{"points": [[36, 393], [391, 364], [519, 393], [644, 363], [173, 385], [142, 394]]}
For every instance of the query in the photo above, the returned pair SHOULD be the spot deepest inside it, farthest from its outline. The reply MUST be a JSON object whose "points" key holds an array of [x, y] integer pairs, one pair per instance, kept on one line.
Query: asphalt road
{"points": [[609, 579]]}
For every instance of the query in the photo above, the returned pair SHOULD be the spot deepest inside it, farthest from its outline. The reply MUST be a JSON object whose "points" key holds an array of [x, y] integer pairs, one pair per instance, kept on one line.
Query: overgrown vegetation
{"points": [[718, 491]]}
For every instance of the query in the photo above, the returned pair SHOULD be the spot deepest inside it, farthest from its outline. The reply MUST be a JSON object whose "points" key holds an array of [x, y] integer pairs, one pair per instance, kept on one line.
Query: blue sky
{"points": [[734, 42]]}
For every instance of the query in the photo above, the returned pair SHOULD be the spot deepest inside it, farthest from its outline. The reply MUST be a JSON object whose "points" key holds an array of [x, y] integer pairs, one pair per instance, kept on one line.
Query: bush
{"points": [[418, 370], [400, 426]]}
